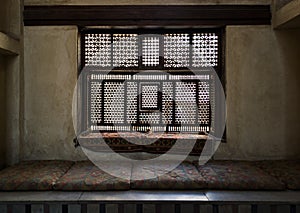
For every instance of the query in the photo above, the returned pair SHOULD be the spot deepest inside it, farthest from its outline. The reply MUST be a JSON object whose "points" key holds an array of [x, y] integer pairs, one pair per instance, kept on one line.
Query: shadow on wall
{"points": [[2, 111], [288, 41]]}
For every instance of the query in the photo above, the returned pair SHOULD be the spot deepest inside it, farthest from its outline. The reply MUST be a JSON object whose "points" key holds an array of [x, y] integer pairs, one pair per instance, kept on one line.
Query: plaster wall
{"points": [[12, 109], [262, 93], [281, 3], [11, 26], [289, 45], [10, 13], [263, 78], [50, 73], [2, 111]]}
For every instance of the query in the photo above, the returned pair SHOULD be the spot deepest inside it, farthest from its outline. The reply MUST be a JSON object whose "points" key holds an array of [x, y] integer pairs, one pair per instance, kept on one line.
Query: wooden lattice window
{"points": [[174, 92]]}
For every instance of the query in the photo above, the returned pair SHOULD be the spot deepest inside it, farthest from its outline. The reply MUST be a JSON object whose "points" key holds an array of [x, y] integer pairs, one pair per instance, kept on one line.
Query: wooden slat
{"points": [[46, 208], [9, 45], [147, 15], [288, 16], [84, 208]]}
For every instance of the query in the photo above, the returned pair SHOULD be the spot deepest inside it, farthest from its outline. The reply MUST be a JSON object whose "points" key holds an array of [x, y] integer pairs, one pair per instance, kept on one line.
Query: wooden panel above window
{"points": [[138, 15]]}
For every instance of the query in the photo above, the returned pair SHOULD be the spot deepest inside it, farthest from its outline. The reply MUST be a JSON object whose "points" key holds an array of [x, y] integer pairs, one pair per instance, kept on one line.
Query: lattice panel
{"points": [[96, 102], [150, 118], [186, 105], [114, 102], [145, 128], [167, 102], [150, 77], [125, 50], [179, 50], [136, 103], [97, 50], [212, 102], [188, 128], [149, 96], [204, 103], [176, 50], [111, 128], [205, 50], [150, 51], [132, 92]]}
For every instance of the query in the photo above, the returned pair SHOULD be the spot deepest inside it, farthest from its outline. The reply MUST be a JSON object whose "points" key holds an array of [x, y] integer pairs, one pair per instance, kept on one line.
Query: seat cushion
{"points": [[237, 175], [184, 176], [288, 172], [84, 175], [33, 175]]}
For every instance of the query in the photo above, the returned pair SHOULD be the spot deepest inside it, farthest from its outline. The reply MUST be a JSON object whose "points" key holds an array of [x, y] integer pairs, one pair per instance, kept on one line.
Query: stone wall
{"points": [[2, 111], [262, 93], [11, 64], [50, 76]]}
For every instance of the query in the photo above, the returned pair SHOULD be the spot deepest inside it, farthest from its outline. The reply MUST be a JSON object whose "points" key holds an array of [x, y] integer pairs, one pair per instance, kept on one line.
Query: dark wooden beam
{"points": [[216, 15]]}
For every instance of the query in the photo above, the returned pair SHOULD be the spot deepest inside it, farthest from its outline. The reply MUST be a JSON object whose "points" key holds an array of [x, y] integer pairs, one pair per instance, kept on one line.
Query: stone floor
{"points": [[152, 201]]}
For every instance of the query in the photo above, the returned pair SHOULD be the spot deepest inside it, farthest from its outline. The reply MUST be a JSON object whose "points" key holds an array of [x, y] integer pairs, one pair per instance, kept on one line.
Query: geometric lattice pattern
{"points": [[186, 105], [134, 102], [204, 103], [96, 102], [150, 51], [98, 50], [167, 102], [176, 50], [125, 50], [205, 50], [114, 108], [149, 98], [132, 94], [150, 118]]}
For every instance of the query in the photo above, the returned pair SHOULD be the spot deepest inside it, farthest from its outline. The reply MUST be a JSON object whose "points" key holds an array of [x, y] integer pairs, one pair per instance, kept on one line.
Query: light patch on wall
{"points": [[50, 77]]}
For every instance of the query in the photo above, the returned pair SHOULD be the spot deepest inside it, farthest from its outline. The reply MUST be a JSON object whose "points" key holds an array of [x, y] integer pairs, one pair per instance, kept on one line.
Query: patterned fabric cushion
{"points": [[33, 175], [288, 172], [237, 175], [142, 142], [84, 175], [184, 176]]}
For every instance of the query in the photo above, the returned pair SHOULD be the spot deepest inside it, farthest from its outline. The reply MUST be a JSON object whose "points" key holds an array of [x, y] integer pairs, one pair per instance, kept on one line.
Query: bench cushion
{"points": [[237, 175], [85, 176], [288, 172], [184, 176], [33, 175]]}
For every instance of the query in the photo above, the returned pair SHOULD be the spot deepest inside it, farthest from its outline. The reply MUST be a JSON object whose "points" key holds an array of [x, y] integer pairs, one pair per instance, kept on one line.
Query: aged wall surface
{"points": [[11, 28], [13, 67], [262, 93], [290, 51], [10, 17], [2, 110], [50, 77], [280, 3]]}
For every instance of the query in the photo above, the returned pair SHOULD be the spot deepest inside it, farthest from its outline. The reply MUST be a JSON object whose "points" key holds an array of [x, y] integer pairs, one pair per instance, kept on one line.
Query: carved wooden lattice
{"points": [[181, 101], [164, 102], [178, 50]]}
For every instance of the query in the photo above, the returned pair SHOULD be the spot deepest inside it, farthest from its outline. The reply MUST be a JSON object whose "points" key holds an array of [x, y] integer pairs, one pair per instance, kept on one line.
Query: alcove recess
{"points": [[11, 65]]}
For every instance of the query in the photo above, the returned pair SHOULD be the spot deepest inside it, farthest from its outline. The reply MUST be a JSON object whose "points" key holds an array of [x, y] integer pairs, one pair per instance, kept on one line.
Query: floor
{"points": [[140, 201]]}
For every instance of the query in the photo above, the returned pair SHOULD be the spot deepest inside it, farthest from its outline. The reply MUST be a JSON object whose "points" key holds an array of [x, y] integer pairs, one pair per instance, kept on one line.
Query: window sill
{"points": [[155, 143], [129, 135]]}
